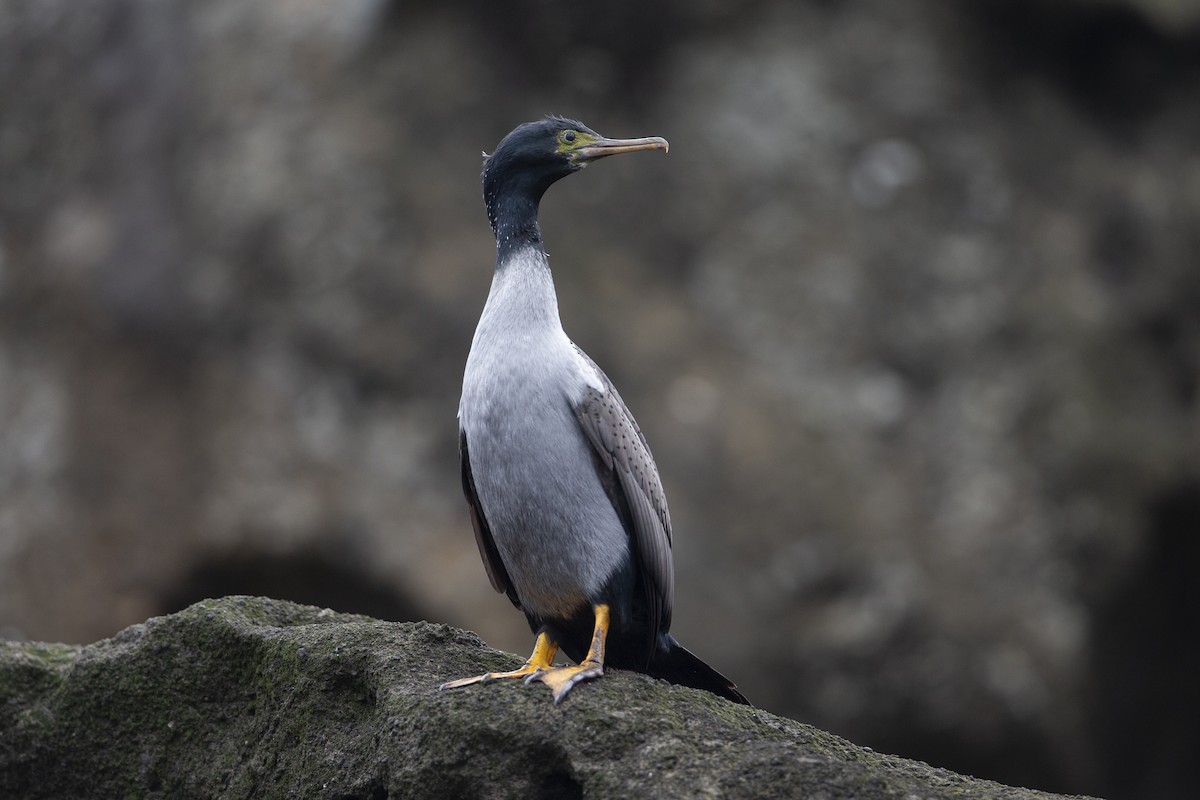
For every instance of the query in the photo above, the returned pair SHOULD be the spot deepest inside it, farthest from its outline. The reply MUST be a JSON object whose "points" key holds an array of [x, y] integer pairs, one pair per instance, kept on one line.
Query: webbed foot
{"points": [[563, 679], [539, 662]]}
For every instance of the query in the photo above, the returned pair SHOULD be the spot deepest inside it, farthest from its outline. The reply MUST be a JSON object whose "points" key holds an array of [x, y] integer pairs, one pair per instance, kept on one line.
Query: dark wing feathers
{"points": [[621, 446], [496, 572]]}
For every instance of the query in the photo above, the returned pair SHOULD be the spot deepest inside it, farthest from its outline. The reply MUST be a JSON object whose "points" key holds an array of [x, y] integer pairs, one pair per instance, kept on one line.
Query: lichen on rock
{"points": [[251, 697]]}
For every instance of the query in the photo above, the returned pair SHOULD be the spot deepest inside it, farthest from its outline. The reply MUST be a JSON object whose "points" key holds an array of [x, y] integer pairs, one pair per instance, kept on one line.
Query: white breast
{"points": [[553, 523]]}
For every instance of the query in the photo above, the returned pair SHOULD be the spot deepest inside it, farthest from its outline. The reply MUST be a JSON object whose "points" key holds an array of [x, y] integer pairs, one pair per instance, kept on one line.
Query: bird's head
{"points": [[537, 154]]}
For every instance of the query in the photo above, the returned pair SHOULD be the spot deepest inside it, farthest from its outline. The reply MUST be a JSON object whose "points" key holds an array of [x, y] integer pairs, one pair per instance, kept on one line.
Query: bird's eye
{"points": [[568, 136]]}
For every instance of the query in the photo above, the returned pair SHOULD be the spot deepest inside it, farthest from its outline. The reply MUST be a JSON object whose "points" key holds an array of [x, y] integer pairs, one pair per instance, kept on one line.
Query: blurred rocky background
{"points": [[910, 315]]}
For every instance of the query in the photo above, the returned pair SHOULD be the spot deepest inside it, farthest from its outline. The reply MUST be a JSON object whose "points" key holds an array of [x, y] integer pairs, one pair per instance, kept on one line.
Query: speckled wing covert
{"points": [[636, 492], [496, 572]]}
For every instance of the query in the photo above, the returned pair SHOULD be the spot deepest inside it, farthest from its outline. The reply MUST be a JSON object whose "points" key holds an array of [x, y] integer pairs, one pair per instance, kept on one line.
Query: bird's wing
{"points": [[637, 491], [496, 572]]}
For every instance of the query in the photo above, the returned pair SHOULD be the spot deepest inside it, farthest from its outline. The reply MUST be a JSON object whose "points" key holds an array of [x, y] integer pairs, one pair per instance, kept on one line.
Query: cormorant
{"points": [[565, 499]]}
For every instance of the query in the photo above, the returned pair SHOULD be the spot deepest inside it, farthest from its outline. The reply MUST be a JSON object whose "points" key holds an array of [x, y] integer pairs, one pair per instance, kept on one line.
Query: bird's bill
{"points": [[599, 148]]}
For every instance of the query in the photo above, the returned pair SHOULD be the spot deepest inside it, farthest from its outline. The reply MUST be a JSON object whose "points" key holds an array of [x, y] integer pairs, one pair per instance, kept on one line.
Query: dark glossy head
{"points": [[536, 154]]}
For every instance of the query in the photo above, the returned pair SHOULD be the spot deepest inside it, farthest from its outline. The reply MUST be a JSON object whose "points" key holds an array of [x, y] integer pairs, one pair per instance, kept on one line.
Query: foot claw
{"points": [[460, 682], [540, 666], [563, 679], [527, 672]]}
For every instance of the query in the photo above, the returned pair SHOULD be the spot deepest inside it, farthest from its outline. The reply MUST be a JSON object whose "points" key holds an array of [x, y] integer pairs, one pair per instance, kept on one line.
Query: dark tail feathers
{"points": [[679, 666]]}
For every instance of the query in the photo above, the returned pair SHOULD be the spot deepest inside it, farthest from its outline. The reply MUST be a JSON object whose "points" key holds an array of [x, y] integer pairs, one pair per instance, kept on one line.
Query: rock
{"points": [[252, 697]]}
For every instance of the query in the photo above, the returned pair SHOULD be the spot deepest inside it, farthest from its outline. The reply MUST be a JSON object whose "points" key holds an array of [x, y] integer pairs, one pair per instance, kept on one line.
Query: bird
{"points": [[564, 496]]}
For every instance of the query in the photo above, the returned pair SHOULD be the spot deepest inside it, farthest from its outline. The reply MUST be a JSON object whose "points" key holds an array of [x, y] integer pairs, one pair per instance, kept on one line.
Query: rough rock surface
{"points": [[251, 697]]}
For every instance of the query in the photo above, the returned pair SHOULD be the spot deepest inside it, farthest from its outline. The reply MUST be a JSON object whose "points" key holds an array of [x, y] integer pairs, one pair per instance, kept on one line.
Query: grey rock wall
{"points": [[908, 315]]}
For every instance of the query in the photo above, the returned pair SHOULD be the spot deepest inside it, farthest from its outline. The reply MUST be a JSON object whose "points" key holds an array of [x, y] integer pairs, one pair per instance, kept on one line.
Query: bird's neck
{"points": [[513, 212], [522, 301], [522, 290]]}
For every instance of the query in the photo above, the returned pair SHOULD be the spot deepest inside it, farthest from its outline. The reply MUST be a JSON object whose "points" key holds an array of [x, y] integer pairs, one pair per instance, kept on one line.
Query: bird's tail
{"points": [[677, 665]]}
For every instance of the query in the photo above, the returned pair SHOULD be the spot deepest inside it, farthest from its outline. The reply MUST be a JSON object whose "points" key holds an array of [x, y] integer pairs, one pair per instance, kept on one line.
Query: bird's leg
{"points": [[543, 655], [563, 679]]}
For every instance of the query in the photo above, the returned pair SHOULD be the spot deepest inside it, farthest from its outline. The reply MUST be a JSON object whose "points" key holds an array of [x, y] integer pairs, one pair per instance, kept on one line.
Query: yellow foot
{"points": [[563, 679], [543, 653], [528, 672]]}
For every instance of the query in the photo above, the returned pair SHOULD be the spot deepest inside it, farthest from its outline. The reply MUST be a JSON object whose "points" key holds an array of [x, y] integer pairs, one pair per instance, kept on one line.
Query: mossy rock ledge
{"points": [[255, 698]]}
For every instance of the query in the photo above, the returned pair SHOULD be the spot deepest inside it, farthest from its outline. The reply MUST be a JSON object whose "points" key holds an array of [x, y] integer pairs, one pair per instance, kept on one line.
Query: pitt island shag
{"points": [[565, 499]]}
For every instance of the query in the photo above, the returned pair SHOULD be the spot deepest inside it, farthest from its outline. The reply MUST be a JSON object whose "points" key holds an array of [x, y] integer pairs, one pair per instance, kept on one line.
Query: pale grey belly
{"points": [[553, 523]]}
